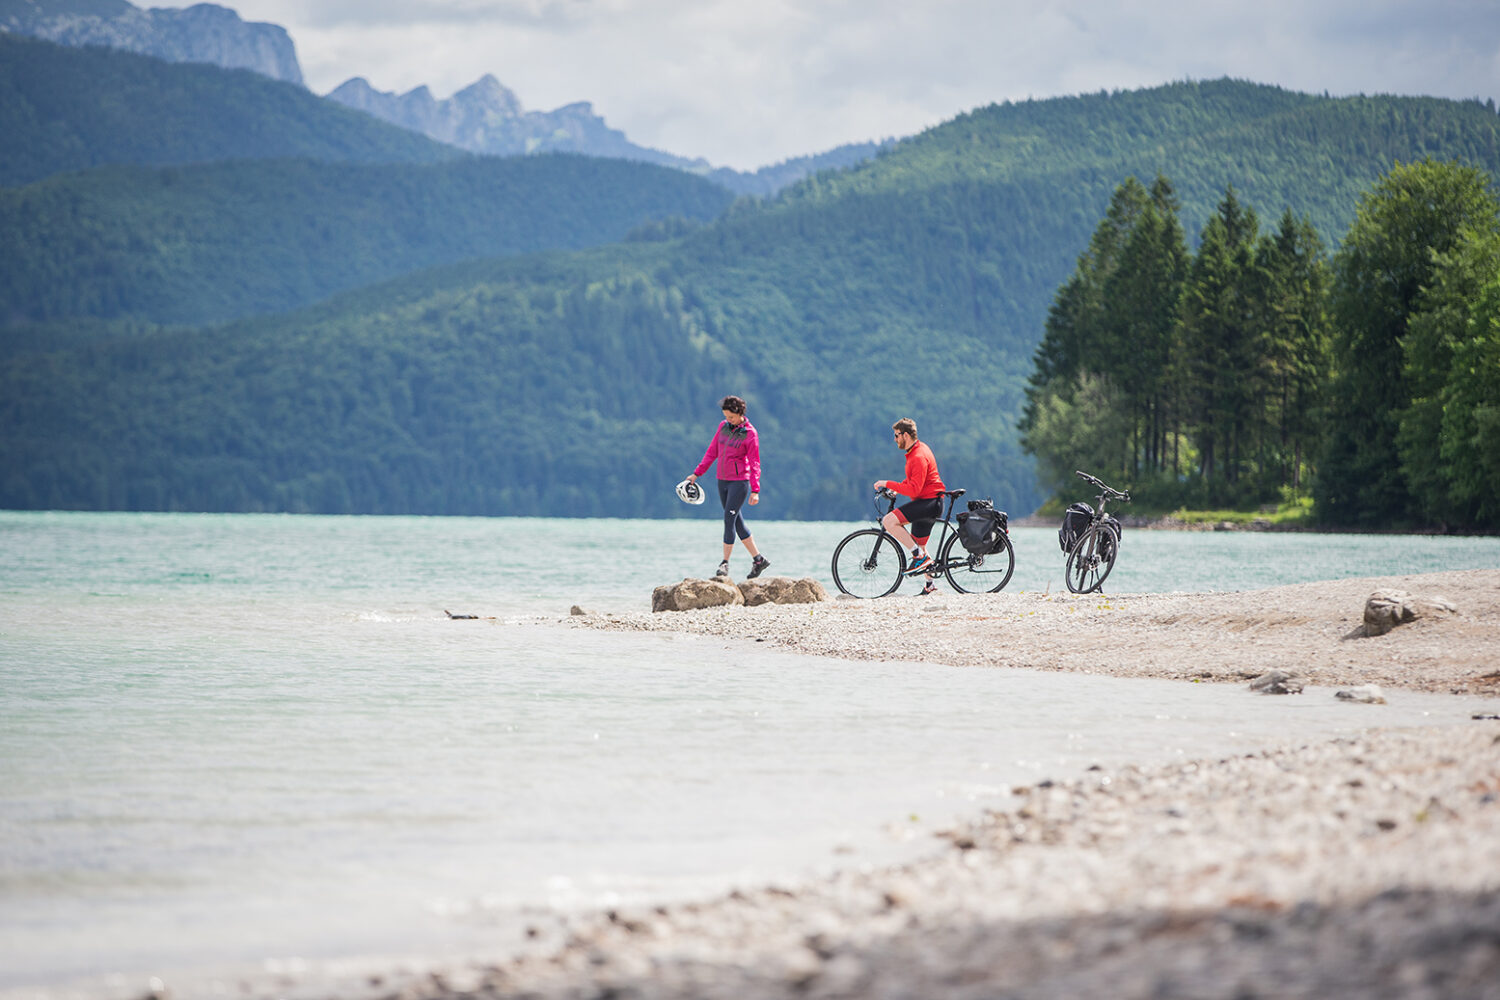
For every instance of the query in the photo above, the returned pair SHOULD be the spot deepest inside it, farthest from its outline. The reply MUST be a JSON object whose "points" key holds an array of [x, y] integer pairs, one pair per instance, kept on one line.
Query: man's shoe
{"points": [[918, 564], [930, 588], [723, 569], [756, 565]]}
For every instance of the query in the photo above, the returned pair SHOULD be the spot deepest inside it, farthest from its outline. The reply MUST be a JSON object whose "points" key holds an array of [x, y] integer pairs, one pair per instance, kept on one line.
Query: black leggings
{"points": [[732, 494]]}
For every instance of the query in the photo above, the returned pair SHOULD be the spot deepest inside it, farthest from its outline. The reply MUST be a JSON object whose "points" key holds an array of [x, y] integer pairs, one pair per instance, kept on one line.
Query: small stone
{"points": [[1277, 682], [575, 611], [1365, 694]]}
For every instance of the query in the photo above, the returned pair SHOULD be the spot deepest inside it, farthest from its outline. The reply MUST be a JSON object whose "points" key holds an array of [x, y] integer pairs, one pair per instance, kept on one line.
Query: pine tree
{"points": [[1221, 325], [1296, 360]]}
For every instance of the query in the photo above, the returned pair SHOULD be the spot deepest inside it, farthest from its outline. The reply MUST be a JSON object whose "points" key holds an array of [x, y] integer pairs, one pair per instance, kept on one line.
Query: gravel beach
{"points": [[1359, 867], [1314, 629]]}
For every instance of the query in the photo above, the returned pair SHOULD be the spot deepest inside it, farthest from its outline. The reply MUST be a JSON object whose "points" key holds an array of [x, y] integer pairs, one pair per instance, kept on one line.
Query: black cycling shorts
{"points": [[922, 515]]}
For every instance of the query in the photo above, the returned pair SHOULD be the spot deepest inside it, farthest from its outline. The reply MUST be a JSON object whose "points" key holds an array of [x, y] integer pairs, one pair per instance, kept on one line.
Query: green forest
{"points": [[1258, 368], [214, 242], [585, 382]]}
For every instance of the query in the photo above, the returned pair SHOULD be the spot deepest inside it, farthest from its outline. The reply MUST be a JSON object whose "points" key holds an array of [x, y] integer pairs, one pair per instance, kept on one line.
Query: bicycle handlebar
{"points": [[1110, 491]]}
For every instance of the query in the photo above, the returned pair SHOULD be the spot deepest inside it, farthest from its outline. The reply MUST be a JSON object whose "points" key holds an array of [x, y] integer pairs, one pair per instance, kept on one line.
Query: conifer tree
{"points": [[1414, 214], [1221, 325], [1296, 361]]}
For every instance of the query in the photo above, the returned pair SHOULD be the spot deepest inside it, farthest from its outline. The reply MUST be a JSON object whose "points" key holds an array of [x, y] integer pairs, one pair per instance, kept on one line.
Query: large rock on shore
{"points": [[782, 590], [690, 595], [1386, 609]]}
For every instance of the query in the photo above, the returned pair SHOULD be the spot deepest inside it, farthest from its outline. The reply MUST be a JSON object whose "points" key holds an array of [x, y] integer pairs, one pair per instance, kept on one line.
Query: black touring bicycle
{"points": [[1091, 538], [975, 554]]}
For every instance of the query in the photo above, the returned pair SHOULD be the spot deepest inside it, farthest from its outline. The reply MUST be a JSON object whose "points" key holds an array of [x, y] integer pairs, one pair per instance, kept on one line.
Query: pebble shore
{"points": [[1358, 867]]}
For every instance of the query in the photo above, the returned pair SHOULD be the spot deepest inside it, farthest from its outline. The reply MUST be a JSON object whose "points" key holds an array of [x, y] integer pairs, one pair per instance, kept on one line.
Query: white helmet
{"points": [[689, 491]]}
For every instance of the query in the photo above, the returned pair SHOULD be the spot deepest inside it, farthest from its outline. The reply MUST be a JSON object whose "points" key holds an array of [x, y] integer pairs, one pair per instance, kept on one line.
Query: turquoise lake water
{"points": [[233, 744]]}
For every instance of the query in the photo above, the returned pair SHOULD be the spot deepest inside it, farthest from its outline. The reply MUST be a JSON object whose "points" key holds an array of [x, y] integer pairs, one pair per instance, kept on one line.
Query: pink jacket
{"points": [[737, 450]]}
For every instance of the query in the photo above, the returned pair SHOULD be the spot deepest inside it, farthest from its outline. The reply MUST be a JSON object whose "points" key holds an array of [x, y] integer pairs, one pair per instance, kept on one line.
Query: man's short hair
{"points": [[906, 425]]}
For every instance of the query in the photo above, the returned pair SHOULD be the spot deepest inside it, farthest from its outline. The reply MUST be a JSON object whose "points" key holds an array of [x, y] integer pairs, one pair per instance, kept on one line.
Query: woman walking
{"points": [[736, 447]]}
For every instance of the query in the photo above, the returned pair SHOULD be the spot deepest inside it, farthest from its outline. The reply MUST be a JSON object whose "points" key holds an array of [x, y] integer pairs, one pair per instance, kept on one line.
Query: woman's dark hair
{"points": [[733, 404]]}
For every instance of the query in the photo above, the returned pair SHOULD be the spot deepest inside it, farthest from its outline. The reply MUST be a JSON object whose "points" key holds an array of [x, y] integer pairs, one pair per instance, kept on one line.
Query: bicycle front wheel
{"points": [[1090, 560], [978, 574], [868, 564]]}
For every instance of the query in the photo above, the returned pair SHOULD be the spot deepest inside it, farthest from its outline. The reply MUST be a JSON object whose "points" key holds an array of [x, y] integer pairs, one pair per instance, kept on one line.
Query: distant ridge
{"points": [[484, 117], [204, 33], [487, 117]]}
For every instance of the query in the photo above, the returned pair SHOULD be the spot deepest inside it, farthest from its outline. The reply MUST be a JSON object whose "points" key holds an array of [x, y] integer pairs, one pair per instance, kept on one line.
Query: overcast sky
{"points": [[744, 83]]}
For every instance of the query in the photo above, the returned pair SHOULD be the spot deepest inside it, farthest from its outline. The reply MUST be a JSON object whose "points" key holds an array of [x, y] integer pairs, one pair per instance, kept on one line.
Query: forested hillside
{"points": [[208, 243], [914, 285], [64, 109]]}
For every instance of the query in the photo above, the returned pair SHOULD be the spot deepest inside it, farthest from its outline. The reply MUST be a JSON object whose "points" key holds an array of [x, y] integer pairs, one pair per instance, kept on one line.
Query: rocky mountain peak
{"points": [[204, 33], [491, 94]]}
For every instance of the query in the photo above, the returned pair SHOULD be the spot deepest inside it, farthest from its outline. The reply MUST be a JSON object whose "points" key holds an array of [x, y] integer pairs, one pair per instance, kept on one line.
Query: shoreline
{"points": [[1311, 629], [1258, 523], [1364, 866]]}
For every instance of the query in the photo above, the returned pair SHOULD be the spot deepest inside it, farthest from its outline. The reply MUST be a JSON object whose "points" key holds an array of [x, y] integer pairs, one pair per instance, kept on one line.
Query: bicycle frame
{"points": [[934, 568]]}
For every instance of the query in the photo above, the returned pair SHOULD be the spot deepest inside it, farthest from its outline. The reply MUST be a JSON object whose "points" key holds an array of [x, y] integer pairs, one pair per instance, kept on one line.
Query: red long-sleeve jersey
{"points": [[922, 479]]}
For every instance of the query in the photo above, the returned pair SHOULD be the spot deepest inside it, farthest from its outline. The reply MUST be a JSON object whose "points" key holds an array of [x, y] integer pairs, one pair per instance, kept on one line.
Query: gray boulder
{"points": [[782, 590], [690, 595], [1385, 609]]}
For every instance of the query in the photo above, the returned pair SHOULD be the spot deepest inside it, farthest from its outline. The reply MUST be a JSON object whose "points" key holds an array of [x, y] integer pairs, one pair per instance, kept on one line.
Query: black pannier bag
{"points": [[981, 528], [1075, 519], [1112, 533]]}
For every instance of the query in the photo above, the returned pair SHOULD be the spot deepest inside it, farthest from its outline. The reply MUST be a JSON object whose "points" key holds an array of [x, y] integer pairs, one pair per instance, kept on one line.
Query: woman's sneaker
{"points": [[723, 569], [756, 565], [918, 564], [930, 588]]}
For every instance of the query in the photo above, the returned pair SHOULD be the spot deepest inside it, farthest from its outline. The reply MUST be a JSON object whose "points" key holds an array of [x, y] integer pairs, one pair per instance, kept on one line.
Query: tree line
{"points": [[1260, 366]]}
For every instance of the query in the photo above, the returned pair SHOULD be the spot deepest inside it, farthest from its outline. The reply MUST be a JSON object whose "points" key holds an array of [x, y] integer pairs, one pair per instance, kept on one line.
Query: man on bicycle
{"points": [[925, 487]]}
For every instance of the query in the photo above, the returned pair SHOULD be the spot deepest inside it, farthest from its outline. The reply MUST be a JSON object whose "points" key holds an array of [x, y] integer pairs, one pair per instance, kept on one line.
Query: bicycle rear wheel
{"points": [[974, 574], [1091, 559], [868, 563]]}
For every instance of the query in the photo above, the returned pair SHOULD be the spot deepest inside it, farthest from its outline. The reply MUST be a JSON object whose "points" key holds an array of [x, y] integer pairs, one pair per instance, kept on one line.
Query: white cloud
{"points": [[745, 84]]}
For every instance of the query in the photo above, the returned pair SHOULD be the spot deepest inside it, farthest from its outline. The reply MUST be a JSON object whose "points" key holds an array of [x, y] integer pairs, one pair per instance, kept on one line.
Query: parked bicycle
{"points": [[1091, 538], [869, 563]]}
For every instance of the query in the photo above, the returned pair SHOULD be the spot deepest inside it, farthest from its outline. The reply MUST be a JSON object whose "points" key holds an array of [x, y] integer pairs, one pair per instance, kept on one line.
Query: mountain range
{"points": [[484, 117], [177, 192]]}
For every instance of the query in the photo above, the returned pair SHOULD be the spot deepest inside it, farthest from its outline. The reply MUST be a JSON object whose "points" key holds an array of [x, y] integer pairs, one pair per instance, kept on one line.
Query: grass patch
{"points": [[1292, 513]]}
